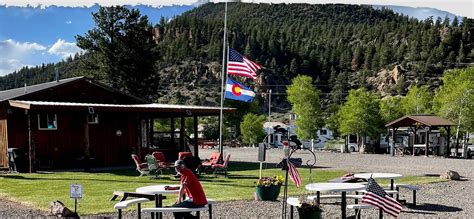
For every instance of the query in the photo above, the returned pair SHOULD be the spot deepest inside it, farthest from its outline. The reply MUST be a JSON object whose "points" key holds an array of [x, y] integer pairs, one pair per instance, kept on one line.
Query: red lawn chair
{"points": [[206, 166], [221, 167], [161, 160], [182, 155], [141, 167], [213, 160]]}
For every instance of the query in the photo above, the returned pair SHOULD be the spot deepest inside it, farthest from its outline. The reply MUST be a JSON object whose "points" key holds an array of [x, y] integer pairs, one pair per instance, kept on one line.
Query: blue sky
{"points": [[30, 36], [44, 32]]}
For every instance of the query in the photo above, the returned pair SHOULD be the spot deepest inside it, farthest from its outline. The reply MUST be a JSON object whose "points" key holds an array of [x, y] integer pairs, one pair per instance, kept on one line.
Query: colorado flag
{"points": [[236, 91]]}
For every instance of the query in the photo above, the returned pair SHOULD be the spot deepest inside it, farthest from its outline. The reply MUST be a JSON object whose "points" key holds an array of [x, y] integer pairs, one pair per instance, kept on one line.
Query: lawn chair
{"points": [[142, 168], [161, 160], [153, 167], [182, 155], [159, 156], [221, 167], [207, 164], [213, 160]]}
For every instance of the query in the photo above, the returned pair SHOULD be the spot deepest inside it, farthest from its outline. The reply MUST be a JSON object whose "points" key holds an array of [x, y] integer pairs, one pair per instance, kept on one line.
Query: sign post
{"points": [[261, 157], [75, 192]]}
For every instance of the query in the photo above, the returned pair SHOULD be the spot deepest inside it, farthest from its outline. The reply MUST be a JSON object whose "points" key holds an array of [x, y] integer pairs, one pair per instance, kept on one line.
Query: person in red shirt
{"points": [[190, 186]]}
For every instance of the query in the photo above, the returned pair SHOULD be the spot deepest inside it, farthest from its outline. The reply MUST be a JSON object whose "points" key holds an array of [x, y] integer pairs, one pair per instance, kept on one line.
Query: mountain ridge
{"points": [[287, 41]]}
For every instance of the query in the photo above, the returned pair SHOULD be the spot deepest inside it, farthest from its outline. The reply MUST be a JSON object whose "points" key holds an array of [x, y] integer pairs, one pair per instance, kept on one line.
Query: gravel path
{"points": [[454, 199]]}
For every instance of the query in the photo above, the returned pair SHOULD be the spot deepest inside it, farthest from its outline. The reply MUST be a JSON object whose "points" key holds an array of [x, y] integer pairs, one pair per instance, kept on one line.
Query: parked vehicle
{"points": [[352, 145], [470, 150]]}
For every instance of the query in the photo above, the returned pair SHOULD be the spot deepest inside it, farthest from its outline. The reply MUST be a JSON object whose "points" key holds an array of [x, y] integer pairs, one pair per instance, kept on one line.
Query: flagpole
{"points": [[224, 42]]}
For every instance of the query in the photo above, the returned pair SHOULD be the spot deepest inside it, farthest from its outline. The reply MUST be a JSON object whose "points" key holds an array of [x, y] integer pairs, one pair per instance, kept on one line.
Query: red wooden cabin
{"points": [[62, 122]]}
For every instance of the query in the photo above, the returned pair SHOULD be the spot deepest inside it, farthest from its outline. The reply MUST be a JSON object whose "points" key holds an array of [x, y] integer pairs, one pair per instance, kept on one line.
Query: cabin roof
{"points": [[24, 91], [427, 120], [150, 108]]}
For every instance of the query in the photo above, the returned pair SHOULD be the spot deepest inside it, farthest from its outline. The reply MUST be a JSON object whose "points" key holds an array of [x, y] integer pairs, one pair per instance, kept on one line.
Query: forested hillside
{"points": [[341, 46]]}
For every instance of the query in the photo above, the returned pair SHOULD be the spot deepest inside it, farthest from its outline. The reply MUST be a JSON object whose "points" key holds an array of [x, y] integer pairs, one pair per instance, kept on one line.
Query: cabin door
{"points": [[3, 140], [3, 143]]}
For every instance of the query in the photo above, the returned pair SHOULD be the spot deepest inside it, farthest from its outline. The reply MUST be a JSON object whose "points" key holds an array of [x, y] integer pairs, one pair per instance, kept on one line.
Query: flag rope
{"points": [[224, 42]]}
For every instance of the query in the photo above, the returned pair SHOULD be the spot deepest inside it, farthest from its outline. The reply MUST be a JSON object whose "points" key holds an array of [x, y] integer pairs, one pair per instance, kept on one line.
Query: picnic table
{"points": [[335, 187], [391, 176], [158, 191]]}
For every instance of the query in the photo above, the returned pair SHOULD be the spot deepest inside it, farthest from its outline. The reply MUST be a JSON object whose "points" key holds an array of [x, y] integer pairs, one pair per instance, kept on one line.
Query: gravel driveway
{"points": [[454, 199]]}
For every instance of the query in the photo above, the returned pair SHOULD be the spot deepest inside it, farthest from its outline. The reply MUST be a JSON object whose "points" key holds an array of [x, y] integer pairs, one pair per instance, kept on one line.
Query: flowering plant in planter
{"points": [[271, 181], [268, 188]]}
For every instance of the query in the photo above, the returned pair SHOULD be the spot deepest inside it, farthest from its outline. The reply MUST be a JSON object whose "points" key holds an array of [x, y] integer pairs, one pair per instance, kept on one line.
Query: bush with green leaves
{"points": [[251, 128]]}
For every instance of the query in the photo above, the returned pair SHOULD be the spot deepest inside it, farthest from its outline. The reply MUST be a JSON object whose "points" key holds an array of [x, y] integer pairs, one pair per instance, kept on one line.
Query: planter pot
{"points": [[309, 214], [268, 193]]}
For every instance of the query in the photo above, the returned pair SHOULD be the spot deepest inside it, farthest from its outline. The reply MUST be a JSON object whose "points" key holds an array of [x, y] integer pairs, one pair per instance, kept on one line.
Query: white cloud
{"points": [[16, 55], [8, 66], [68, 22], [64, 49], [14, 48]]}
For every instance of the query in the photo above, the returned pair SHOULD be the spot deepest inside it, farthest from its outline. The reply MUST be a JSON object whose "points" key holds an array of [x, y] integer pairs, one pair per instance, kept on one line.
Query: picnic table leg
{"points": [[414, 197], [160, 204], [356, 201], [114, 197], [156, 205], [391, 186], [210, 211], [343, 205], [139, 206], [291, 211], [398, 194], [124, 197], [318, 197]]}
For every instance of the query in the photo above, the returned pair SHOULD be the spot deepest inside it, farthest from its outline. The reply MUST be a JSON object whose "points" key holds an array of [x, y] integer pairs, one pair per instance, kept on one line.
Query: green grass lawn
{"points": [[39, 189]]}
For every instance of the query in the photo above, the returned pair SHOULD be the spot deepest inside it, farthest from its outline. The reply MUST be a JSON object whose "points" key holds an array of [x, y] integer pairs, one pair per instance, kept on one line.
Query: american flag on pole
{"points": [[294, 174], [376, 196], [241, 66]]}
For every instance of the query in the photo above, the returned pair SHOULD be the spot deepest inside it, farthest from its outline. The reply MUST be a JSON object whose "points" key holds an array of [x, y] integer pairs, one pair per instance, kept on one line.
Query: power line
{"points": [[266, 85]]}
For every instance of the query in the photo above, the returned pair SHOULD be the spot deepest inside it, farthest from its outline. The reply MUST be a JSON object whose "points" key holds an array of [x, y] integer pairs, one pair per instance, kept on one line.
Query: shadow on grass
{"points": [[26, 177], [243, 166], [243, 177], [431, 175]]}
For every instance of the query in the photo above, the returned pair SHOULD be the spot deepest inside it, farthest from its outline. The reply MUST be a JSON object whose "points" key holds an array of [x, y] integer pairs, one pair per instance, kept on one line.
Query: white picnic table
{"points": [[335, 187], [158, 191], [391, 176]]}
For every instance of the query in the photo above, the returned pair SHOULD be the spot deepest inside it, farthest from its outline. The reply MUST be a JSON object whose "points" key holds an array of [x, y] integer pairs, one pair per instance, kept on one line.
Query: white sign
{"points": [[75, 191]]}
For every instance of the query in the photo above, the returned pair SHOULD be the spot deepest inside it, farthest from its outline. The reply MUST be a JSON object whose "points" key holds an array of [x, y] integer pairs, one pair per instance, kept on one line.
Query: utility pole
{"points": [[269, 104]]}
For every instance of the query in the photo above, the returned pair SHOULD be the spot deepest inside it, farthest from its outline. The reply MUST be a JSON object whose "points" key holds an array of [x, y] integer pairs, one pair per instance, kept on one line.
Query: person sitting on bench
{"points": [[190, 186]]}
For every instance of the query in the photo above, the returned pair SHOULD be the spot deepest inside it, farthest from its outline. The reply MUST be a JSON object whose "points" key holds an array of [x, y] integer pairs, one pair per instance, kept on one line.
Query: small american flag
{"points": [[376, 196], [241, 66], [294, 174]]}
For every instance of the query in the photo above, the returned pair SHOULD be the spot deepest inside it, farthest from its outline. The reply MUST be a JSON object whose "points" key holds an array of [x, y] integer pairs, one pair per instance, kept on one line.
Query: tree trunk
{"points": [[464, 148]]}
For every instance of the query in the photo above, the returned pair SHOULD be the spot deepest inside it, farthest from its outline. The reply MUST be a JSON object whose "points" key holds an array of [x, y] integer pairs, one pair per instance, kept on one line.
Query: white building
{"points": [[276, 140]]}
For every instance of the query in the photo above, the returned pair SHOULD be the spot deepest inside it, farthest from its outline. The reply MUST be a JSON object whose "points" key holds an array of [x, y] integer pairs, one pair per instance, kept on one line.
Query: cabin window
{"points": [[324, 132], [399, 140], [352, 138], [93, 118], [47, 121]]}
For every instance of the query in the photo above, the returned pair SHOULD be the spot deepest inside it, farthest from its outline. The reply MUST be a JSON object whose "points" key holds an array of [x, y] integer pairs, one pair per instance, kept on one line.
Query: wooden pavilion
{"points": [[77, 120], [424, 122]]}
